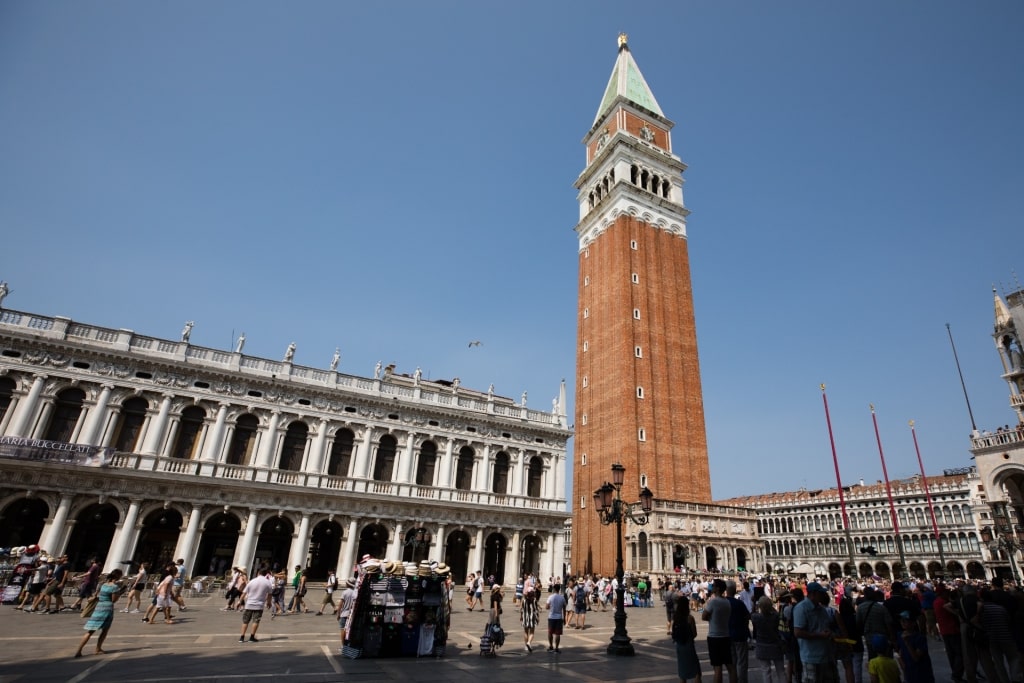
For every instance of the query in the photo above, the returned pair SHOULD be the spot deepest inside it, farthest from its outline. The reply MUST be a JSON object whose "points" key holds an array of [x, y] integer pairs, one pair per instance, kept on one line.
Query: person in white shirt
{"points": [[256, 598]]}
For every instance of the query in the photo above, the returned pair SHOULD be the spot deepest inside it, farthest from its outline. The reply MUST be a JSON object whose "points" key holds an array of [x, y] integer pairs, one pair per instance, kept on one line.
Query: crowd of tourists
{"points": [[820, 631]]}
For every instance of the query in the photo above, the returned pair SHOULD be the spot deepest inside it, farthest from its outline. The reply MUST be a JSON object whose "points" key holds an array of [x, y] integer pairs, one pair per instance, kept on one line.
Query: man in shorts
{"points": [[716, 612], [256, 598], [556, 618], [348, 599]]}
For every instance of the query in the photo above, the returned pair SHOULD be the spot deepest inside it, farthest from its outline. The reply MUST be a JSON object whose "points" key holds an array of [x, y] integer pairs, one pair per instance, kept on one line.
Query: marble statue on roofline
{"points": [[289, 353], [240, 344], [335, 358], [4, 291], [377, 369], [186, 331]]}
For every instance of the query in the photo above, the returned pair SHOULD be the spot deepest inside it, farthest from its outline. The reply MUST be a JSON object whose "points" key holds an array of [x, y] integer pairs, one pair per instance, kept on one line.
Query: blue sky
{"points": [[396, 179]]}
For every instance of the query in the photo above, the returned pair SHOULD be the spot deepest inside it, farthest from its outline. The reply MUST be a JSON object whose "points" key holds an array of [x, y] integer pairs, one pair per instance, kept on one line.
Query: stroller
{"points": [[491, 640]]}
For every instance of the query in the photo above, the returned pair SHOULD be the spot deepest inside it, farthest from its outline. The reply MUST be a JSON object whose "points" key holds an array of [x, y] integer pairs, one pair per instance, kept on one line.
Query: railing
{"points": [[400, 385], [1004, 438], [205, 470]]}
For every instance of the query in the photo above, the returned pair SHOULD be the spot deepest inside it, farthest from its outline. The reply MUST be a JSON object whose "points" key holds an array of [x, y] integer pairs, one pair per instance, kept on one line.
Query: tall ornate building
{"points": [[803, 533], [638, 390], [999, 450], [132, 447]]}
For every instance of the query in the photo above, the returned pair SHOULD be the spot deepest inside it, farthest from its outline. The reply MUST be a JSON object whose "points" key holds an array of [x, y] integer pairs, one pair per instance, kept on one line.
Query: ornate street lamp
{"points": [[611, 509], [1005, 543]]}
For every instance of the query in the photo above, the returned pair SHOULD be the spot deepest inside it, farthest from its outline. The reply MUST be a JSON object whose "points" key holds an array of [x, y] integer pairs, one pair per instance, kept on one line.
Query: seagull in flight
{"points": [[474, 343]]}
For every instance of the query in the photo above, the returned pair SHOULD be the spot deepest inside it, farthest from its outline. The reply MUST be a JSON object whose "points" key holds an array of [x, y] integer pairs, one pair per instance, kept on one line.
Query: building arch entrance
{"points": [[324, 547], [456, 555], [217, 544], [531, 556], [495, 548], [274, 543], [22, 521], [373, 541], [158, 538], [711, 559], [94, 530]]}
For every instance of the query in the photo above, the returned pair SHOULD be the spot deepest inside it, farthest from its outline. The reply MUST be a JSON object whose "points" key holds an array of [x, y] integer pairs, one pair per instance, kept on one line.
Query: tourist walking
{"points": [[580, 605], [89, 581], [556, 617], [138, 586], [164, 594], [329, 587], [256, 598], [345, 604], [102, 617], [235, 588], [684, 632], [768, 646], [529, 616]]}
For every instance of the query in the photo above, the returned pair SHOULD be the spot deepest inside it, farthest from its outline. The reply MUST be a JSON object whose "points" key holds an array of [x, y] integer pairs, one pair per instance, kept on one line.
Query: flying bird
{"points": [[474, 343]]}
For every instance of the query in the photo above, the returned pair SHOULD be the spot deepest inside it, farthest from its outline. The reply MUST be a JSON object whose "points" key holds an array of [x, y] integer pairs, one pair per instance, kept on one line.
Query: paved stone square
{"points": [[203, 646]]}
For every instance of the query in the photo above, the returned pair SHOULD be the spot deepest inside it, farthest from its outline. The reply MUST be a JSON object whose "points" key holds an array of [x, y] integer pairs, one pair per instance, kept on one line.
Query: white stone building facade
{"points": [[225, 459]]}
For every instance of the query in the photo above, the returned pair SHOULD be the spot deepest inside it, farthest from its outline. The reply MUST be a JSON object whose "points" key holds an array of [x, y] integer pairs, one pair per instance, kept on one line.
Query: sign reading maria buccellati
{"points": [[20, 448]]}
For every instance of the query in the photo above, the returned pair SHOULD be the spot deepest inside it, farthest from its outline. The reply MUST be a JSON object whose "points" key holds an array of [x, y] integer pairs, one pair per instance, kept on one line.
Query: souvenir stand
{"points": [[401, 610]]}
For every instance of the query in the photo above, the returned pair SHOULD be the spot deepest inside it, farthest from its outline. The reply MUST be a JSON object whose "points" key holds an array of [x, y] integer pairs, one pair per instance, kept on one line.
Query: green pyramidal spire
{"points": [[628, 82]]}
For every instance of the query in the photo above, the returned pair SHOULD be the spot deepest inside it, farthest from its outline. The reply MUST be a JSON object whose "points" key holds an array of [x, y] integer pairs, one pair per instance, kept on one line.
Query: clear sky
{"points": [[396, 179]]}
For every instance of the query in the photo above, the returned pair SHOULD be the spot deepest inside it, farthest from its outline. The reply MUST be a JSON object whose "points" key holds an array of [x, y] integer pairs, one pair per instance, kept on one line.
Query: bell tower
{"points": [[638, 389]]}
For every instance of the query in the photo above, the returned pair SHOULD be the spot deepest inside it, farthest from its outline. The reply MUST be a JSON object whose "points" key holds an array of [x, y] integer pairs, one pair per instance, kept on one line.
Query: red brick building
{"points": [[638, 389]]}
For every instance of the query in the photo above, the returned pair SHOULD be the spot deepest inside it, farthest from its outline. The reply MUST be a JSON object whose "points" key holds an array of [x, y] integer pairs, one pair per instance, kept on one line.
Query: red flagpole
{"points": [[928, 497], [888, 491], [839, 483]]}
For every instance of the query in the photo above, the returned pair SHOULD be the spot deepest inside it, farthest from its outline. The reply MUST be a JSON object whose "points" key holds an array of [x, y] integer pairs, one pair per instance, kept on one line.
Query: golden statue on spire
{"points": [[623, 39]]}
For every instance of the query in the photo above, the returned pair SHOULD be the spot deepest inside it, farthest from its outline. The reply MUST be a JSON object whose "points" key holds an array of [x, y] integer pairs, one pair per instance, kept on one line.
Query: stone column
{"points": [[483, 474], [437, 552], [21, 422], [167, 447], [315, 462], [97, 417], [123, 539], [187, 544], [362, 466], [53, 534], [299, 552], [214, 443], [403, 468], [445, 479], [476, 558], [514, 560], [244, 551], [559, 484], [348, 551], [106, 435], [518, 474], [12, 409], [43, 421], [155, 433], [395, 551], [269, 441]]}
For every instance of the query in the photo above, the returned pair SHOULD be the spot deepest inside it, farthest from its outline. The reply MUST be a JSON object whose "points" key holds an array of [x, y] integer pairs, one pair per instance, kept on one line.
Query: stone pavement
{"points": [[203, 646]]}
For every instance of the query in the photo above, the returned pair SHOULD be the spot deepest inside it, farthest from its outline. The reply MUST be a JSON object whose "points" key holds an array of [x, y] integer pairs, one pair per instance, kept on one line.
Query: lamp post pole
{"points": [[612, 510]]}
